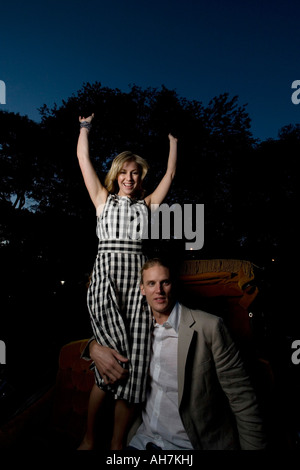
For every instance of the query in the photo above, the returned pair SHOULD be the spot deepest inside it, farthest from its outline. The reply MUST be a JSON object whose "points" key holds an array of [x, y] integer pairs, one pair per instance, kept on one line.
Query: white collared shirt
{"points": [[162, 424]]}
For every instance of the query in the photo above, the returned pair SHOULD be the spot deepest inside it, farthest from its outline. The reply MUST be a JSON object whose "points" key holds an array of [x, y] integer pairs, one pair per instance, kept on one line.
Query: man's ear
{"points": [[142, 289]]}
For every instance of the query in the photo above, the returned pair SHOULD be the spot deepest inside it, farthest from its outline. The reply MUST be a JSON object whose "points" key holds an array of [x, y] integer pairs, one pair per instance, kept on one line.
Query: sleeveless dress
{"points": [[120, 315]]}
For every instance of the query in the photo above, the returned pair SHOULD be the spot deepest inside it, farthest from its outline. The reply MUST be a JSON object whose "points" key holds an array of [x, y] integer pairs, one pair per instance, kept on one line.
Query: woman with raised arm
{"points": [[119, 316]]}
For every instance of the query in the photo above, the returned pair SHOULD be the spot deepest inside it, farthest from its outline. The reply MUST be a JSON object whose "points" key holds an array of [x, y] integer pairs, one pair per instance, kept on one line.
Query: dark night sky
{"points": [[198, 48]]}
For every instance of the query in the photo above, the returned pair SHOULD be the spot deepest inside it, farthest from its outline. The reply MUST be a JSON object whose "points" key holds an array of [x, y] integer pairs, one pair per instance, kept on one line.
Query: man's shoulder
{"points": [[199, 315], [206, 325]]}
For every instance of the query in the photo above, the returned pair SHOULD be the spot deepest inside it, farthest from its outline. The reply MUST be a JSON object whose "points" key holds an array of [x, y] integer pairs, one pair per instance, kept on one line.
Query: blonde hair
{"points": [[164, 262], [116, 166]]}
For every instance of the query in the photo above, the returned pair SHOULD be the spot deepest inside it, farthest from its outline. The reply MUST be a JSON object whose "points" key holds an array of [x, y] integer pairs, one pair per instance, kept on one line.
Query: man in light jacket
{"points": [[199, 395]]}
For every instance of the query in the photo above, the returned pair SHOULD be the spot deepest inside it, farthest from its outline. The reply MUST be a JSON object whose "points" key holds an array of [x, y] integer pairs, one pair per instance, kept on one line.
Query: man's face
{"points": [[157, 287]]}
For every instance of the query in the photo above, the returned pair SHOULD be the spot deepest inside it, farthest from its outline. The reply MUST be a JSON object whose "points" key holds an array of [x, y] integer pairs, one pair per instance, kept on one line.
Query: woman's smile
{"points": [[129, 179]]}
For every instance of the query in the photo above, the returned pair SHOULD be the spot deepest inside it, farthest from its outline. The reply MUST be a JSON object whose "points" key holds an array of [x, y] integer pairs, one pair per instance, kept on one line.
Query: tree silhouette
{"points": [[220, 164], [19, 152]]}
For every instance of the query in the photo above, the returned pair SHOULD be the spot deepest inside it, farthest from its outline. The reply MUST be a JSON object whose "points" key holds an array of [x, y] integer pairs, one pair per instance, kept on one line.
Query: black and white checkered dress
{"points": [[119, 314]]}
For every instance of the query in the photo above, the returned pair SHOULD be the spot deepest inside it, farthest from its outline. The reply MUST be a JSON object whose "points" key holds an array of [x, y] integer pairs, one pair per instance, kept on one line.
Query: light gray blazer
{"points": [[217, 403]]}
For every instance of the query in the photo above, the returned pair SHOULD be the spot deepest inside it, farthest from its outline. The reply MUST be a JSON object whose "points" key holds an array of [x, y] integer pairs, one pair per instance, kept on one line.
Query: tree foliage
{"points": [[220, 164], [19, 151]]}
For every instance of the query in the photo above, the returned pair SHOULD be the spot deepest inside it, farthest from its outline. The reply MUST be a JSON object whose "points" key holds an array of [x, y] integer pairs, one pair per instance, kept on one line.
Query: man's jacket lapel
{"points": [[185, 336]]}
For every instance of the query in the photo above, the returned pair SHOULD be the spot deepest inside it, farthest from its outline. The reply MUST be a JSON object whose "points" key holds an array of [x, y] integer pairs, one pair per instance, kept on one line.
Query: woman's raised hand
{"points": [[86, 119], [172, 138]]}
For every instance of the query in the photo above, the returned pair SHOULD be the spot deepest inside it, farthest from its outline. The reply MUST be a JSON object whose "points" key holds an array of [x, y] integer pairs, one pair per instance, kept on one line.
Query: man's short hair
{"points": [[166, 263]]}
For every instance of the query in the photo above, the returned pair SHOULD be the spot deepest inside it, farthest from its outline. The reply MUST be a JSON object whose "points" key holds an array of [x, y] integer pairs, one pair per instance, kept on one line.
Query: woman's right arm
{"points": [[98, 193]]}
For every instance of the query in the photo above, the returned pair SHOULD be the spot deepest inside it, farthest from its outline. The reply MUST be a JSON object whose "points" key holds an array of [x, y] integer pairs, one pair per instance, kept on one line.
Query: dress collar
{"points": [[132, 200]]}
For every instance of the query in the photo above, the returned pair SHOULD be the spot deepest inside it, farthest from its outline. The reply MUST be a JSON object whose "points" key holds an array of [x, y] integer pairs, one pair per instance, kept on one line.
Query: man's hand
{"points": [[106, 361]]}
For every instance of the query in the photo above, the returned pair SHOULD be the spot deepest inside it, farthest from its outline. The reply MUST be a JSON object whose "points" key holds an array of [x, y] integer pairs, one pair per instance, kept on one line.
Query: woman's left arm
{"points": [[162, 189]]}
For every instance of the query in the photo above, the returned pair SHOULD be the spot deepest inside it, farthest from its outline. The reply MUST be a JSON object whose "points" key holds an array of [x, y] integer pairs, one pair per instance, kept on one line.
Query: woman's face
{"points": [[129, 179]]}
